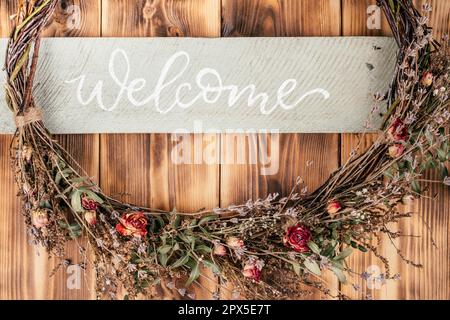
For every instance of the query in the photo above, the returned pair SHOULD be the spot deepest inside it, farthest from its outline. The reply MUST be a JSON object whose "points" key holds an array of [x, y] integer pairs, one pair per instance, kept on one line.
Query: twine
{"points": [[30, 116]]}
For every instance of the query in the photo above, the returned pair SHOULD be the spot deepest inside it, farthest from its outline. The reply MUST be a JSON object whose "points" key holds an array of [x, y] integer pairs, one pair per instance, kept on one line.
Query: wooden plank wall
{"points": [[138, 167]]}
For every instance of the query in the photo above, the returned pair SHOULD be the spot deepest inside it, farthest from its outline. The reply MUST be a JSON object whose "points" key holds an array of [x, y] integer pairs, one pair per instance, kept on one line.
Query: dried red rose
{"points": [[220, 250], [334, 207], [235, 242], [133, 224], [297, 237], [89, 204], [396, 150], [252, 271], [90, 217], [39, 218], [427, 79], [398, 131]]}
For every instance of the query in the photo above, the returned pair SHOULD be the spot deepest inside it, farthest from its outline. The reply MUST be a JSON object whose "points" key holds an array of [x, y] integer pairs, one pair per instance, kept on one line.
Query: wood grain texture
{"points": [[72, 18], [278, 18], [161, 18], [355, 17], [432, 281], [26, 269], [296, 151], [142, 164]]}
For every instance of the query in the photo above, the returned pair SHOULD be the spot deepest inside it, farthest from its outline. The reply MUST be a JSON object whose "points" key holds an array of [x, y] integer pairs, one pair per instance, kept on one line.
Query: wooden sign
{"points": [[130, 85]]}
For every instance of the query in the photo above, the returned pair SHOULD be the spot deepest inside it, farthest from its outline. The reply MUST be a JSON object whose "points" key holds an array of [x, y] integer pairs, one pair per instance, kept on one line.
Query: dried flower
{"points": [[133, 224], [219, 250], [447, 181], [39, 218], [333, 207], [26, 188], [252, 271], [297, 237], [91, 217], [427, 79], [398, 131], [89, 204], [235, 242], [27, 152], [396, 150]]}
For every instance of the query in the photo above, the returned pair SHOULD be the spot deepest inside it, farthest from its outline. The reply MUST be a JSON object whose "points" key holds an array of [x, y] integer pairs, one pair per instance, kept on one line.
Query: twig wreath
{"points": [[268, 248]]}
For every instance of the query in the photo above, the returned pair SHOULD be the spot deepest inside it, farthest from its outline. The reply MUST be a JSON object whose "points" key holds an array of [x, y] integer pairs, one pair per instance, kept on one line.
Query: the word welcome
{"points": [[208, 82]]}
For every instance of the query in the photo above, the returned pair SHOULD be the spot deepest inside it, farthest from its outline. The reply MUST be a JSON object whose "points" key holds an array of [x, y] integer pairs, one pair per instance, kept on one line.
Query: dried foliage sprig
{"points": [[266, 248]]}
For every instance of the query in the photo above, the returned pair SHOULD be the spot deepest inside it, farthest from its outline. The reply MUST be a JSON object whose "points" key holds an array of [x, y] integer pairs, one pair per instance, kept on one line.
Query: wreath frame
{"points": [[268, 248]]}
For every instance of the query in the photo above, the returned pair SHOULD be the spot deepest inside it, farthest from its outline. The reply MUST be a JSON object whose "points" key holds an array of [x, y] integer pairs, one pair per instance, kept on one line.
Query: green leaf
{"points": [[340, 275], [195, 273], [207, 219], [78, 180], [416, 187], [75, 201], [204, 248], [211, 266], [163, 258], [344, 253], [334, 234], [58, 178], [180, 262], [165, 249], [362, 248], [93, 196], [442, 155], [176, 222], [444, 172], [312, 266], [314, 247], [388, 174], [329, 250], [297, 269], [63, 174]]}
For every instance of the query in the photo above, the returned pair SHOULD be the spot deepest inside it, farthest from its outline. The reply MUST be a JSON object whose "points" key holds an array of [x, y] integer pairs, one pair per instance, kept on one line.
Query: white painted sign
{"points": [[123, 85]]}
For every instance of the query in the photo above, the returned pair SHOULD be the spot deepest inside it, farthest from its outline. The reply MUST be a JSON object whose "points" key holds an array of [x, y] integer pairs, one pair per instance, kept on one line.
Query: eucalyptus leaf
{"points": [[211, 266], [442, 155], [165, 249], [163, 258], [207, 219], [344, 253], [362, 248], [314, 247], [180, 262], [416, 187], [195, 273], [340, 275], [75, 201], [93, 196], [312, 266], [176, 222], [296, 267], [204, 248]]}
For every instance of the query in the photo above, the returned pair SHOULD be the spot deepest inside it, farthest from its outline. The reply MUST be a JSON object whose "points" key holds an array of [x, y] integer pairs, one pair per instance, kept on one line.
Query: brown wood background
{"points": [[138, 166]]}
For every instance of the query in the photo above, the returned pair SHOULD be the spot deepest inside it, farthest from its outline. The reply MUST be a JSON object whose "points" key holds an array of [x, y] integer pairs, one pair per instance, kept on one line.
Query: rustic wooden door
{"points": [[137, 167]]}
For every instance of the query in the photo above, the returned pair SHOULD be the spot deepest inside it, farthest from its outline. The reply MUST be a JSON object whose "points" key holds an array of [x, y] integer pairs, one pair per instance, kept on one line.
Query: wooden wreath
{"points": [[268, 248]]}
